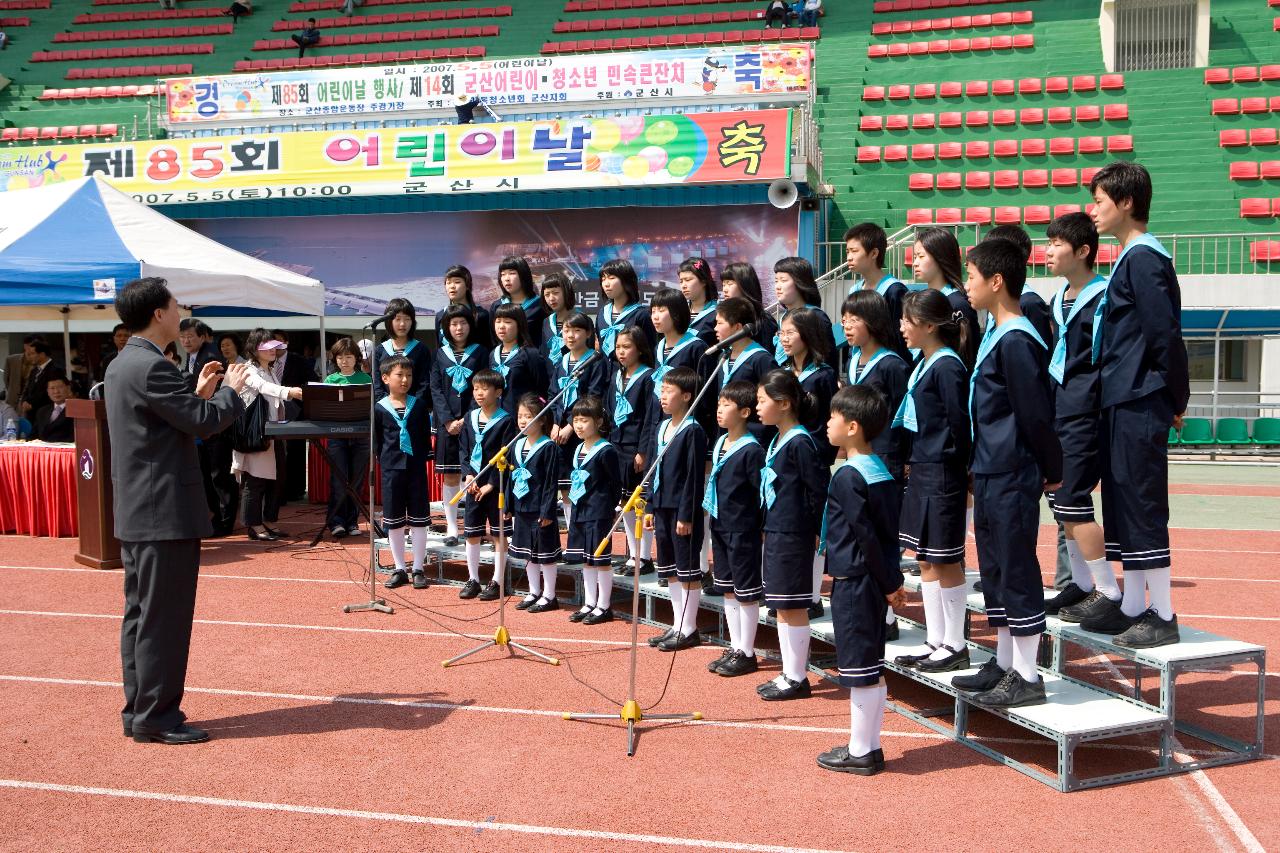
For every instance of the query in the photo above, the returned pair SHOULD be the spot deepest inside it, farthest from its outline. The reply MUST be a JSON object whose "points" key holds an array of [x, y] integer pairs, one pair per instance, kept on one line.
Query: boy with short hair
{"points": [[485, 430], [733, 503], [862, 559], [747, 361], [1145, 389], [1033, 307], [1073, 367], [675, 506], [1016, 458], [402, 436], [865, 246]]}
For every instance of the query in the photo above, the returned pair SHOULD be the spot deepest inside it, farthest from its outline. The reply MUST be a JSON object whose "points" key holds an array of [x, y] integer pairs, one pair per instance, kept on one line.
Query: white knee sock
{"points": [[889, 616], [604, 589], [733, 620], [819, 564], [704, 555], [1160, 588], [1080, 574], [549, 582], [646, 545], [676, 589], [1004, 648], [882, 699], [568, 511], [419, 548], [692, 598], [863, 722], [1134, 600], [795, 659], [589, 592], [953, 610], [395, 538], [629, 526], [473, 560], [934, 616], [499, 563], [450, 509], [749, 620], [1024, 657], [1104, 578], [533, 572]]}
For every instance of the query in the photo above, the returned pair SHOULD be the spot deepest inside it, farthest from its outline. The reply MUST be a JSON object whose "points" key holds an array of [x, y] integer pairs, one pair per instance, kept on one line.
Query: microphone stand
{"points": [[374, 603], [501, 636]]}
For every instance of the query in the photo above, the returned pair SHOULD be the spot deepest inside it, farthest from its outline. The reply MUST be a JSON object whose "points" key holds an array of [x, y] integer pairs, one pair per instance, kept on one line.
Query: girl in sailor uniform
{"points": [[452, 366], [515, 357], [593, 379], [516, 280], [401, 340], [535, 535], [623, 307], [634, 411], [699, 288], [458, 287], [595, 480]]}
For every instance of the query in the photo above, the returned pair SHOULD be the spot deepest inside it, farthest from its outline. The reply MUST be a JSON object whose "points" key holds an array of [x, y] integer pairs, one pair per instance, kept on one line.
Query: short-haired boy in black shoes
{"points": [[862, 559]]}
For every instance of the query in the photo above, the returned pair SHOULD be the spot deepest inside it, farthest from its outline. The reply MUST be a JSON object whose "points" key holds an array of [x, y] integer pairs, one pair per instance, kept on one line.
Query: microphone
{"points": [[586, 359], [746, 331], [375, 323]]}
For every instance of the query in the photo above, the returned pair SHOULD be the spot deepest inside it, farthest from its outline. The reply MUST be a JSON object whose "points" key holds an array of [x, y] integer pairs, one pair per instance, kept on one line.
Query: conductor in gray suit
{"points": [[154, 420]]}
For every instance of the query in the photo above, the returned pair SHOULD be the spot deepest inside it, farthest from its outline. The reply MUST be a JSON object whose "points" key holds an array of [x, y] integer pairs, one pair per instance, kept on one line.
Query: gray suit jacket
{"points": [[154, 421]]}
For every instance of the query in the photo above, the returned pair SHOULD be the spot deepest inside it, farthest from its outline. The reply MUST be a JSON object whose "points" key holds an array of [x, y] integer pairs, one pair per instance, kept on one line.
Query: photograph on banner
{"points": [[774, 69], [628, 151], [366, 260]]}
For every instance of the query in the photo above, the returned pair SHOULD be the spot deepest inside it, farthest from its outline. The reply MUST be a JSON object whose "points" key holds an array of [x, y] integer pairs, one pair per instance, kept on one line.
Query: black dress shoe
{"points": [[647, 567], [594, 618], [1093, 604], [279, 534], [181, 734], [623, 569], [491, 592], [740, 663], [839, 760], [1150, 631], [543, 605], [772, 692], [1013, 691], [579, 614], [451, 541], [654, 641], [913, 660], [420, 580], [1070, 594], [977, 586], [530, 600], [1109, 619], [255, 536], [709, 586], [397, 579], [913, 569], [987, 677], [957, 659], [679, 642], [663, 582], [816, 609], [891, 632], [715, 665], [470, 589]]}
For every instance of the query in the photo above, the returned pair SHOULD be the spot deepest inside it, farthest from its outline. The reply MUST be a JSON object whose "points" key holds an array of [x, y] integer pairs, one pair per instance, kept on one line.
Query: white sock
{"points": [[419, 548], [863, 722], [795, 659], [968, 520], [568, 511], [589, 592], [953, 610], [1160, 588], [733, 620], [646, 545], [533, 572], [819, 564], [499, 563], [676, 589], [749, 620], [629, 528], [1080, 574], [549, 582], [450, 509], [689, 621], [889, 617], [882, 700], [1024, 657], [604, 589], [1104, 578], [704, 555], [1134, 600], [934, 616], [1004, 648], [473, 560], [395, 538]]}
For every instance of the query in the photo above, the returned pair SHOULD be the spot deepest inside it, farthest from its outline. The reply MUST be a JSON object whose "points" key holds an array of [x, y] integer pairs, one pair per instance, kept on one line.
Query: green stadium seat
{"points": [[1266, 431], [1173, 436], [1196, 431], [1233, 431]]}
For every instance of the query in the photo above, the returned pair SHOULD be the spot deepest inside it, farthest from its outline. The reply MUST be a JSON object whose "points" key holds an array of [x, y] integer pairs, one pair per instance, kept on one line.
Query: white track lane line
{"points": [[476, 826]]}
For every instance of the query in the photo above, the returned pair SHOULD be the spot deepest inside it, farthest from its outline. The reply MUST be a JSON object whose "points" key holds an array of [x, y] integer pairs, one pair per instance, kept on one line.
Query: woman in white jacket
{"points": [[258, 471]]}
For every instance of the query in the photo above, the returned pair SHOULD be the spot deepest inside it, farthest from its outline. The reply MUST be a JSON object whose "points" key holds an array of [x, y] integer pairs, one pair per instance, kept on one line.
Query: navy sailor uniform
{"points": [[535, 311], [894, 290], [751, 365], [703, 324], [403, 445], [594, 489], [417, 354], [732, 501], [490, 436], [793, 489], [886, 372], [609, 322], [675, 494], [531, 489], [593, 381], [450, 386], [481, 327], [960, 302], [634, 412], [523, 370], [820, 381], [1077, 399], [1037, 312], [780, 356], [552, 345]]}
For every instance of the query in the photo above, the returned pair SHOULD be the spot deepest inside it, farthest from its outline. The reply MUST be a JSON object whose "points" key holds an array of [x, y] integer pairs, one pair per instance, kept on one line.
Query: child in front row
{"points": [[793, 488], [486, 430], [535, 536], [594, 484], [862, 559], [1016, 459], [578, 332], [634, 412], [452, 367], [402, 436], [675, 506], [733, 502]]}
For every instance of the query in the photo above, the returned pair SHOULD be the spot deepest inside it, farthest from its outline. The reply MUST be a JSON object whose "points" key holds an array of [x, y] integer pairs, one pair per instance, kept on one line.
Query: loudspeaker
{"points": [[783, 193]]}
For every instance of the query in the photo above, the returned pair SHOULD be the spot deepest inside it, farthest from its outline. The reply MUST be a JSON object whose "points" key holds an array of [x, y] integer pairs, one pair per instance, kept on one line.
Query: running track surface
{"points": [[340, 732]]}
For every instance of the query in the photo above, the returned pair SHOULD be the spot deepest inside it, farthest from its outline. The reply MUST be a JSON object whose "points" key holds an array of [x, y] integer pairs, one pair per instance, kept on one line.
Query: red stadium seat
{"points": [[1022, 41], [977, 181], [1005, 148], [922, 121], [1084, 83], [1092, 145], [1064, 209], [1006, 179], [1003, 87], [1269, 73], [1119, 144], [977, 149], [1269, 170], [869, 154], [870, 123], [950, 151], [1002, 42], [975, 89], [1115, 112], [1065, 178], [1056, 85], [873, 93], [924, 152], [1034, 147], [920, 181], [1004, 118], [1224, 107], [1263, 136], [1035, 178], [919, 216], [1086, 177], [950, 89], [897, 121], [1264, 251], [1217, 75], [895, 153], [978, 215], [1029, 86], [1008, 216], [1253, 106], [1251, 208], [1088, 112], [1059, 115], [925, 91], [900, 92], [1244, 74], [1031, 115], [1062, 146], [948, 216], [1233, 137], [977, 118], [1037, 214], [950, 119], [1111, 82], [949, 180], [1243, 171]]}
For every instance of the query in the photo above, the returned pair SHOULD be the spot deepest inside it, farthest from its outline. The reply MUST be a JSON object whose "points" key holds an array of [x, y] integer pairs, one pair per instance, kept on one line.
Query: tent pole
{"points": [[66, 340], [322, 352]]}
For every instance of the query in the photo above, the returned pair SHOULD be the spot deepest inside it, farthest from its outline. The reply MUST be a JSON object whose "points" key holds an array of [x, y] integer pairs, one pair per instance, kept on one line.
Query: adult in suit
{"points": [[35, 394], [119, 337], [221, 492], [154, 420], [293, 371], [51, 422]]}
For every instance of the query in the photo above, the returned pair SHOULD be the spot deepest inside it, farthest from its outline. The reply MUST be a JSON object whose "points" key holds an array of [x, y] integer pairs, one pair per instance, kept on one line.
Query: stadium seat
{"points": [[1064, 209], [1034, 147], [1005, 148], [1086, 178], [950, 89], [1062, 146], [897, 121], [1004, 87], [977, 181], [977, 118], [1233, 431], [1266, 431], [1004, 118], [1035, 178], [920, 181], [1253, 106], [1059, 115], [1030, 86], [924, 151], [1057, 85], [899, 92], [1084, 83], [1022, 41], [1037, 214], [1001, 42], [1196, 431], [1031, 116], [1233, 138], [873, 93], [1114, 112], [1119, 144], [1092, 145], [870, 123], [1269, 73], [919, 216], [977, 149], [876, 51], [950, 151], [895, 153], [922, 121], [1217, 75], [949, 180], [1006, 179], [1252, 208], [1111, 82], [1243, 171], [1008, 216], [925, 91], [1088, 112], [1269, 170], [9, 134], [1224, 107], [1064, 178], [950, 119], [869, 154], [978, 215], [975, 89], [948, 216], [1244, 74]]}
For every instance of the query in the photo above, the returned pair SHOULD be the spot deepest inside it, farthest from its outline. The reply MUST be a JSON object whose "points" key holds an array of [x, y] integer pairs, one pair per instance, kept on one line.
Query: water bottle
{"points": [[10, 430]]}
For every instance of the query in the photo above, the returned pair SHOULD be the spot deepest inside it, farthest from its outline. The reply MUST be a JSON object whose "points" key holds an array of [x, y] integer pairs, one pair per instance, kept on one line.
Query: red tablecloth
{"points": [[38, 490], [318, 479]]}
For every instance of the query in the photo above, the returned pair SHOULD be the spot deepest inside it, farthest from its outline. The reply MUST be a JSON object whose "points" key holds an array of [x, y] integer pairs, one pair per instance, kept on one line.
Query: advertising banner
{"points": [[687, 73], [696, 148]]}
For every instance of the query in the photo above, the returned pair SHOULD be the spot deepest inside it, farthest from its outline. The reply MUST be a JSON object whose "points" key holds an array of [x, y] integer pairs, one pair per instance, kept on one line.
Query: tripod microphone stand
{"points": [[374, 603]]}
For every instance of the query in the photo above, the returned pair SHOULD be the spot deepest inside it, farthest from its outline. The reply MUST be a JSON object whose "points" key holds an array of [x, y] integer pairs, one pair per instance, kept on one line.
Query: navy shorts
{"points": [[1081, 468], [1006, 522], [677, 555], [481, 516], [584, 539], [858, 611], [933, 513], [788, 570], [736, 557], [446, 450], [404, 497], [532, 542], [1135, 481]]}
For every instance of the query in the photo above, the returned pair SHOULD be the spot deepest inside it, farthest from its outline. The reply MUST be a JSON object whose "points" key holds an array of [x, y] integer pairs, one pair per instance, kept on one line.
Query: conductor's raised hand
{"points": [[236, 376], [208, 381]]}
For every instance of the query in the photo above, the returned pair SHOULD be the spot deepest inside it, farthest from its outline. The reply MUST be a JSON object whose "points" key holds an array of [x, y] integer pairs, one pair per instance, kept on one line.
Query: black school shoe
{"points": [[654, 641], [1013, 691], [1109, 619], [490, 592], [914, 660], [838, 759], [420, 580], [709, 586], [576, 616], [600, 618], [543, 605], [771, 692], [1149, 631], [1070, 594], [715, 665], [891, 633], [739, 663], [1093, 604], [816, 609], [470, 589], [397, 579], [530, 600], [679, 642], [958, 659], [986, 678], [451, 541]]}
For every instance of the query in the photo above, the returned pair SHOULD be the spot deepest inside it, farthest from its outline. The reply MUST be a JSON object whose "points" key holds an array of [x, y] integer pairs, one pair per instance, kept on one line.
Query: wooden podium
{"points": [[99, 548]]}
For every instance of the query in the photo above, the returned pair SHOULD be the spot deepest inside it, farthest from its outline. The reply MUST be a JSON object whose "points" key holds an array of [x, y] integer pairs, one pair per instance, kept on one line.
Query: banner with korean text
{"points": [[633, 151], [687, 73]]}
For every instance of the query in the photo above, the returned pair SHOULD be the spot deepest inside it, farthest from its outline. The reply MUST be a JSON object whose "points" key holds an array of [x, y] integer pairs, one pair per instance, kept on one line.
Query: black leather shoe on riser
{"points": [[955, 660], [680, 642], [739, 664], [1070, 595], [1013, 691], [654, 641], [397, 579], [987, 677], [1110, 620], [491, 592], [714, 666], [771, 692], [178, 736], [839, 760], [1150, 631]]}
